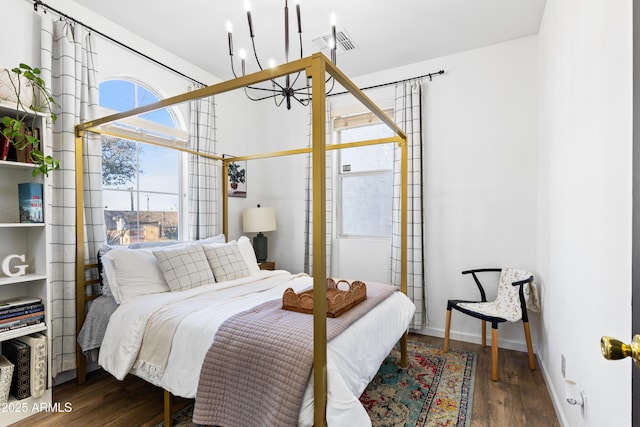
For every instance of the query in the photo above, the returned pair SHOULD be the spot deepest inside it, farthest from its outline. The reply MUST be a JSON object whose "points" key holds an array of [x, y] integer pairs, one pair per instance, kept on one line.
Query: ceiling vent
{"points": [[345, 42]]}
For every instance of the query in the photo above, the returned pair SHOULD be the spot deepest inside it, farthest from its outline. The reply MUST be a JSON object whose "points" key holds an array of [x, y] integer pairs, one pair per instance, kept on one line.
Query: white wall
{"points": [[584, 217], [480, 195]]}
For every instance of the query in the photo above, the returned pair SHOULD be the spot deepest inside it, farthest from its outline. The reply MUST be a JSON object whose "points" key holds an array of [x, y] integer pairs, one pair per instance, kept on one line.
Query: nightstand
{"points": [[267, 265]]}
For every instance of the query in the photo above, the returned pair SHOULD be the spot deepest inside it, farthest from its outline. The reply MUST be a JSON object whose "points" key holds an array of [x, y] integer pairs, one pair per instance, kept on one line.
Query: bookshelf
{"points": [[30, 240]]}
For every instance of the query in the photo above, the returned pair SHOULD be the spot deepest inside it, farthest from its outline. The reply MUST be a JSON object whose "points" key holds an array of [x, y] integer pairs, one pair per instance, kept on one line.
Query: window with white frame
{"points": [[365, 178], [141, 182]]}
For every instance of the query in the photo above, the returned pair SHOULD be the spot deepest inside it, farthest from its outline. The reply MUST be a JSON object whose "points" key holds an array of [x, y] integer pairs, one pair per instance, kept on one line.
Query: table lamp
{"points": [[259, 220]]}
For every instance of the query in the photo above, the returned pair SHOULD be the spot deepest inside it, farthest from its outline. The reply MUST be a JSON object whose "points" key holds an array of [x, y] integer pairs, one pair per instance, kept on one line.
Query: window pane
{"points": [[368, 158], [159, 169], [365, 132], [141, 182], [155, 202], [118, 95], [119, 200], [366, 204], [157, 220], [119, 163]]}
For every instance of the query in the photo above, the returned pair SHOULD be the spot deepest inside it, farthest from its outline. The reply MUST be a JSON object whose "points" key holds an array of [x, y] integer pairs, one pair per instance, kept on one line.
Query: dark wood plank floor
{"points": [[520, 398]]}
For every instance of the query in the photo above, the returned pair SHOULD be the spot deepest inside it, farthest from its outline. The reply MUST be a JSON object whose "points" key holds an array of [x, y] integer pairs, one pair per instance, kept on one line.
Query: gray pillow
{"points": [[227, 262], [185, 267]]}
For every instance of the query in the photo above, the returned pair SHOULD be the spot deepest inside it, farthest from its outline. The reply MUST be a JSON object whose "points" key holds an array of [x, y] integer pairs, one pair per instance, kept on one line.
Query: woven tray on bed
{"points": [[338, 300]]}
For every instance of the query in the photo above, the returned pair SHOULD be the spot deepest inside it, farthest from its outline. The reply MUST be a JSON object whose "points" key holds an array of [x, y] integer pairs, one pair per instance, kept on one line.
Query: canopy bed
{"points": [[316, 68]]}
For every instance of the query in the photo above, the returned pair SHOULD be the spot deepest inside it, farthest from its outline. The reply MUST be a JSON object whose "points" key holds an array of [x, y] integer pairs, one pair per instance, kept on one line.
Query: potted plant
{"points": [[15, 127], [236, 174]]}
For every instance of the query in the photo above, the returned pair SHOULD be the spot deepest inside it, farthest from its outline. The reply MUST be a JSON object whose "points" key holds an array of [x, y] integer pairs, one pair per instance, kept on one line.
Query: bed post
{"points": [[168, 421], [81, 362], [403, 241], [225, 200], [318, 114]]}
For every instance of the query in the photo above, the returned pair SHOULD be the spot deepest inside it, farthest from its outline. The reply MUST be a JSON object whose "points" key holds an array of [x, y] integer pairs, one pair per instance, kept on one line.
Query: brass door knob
{"points": [[613, 349]]}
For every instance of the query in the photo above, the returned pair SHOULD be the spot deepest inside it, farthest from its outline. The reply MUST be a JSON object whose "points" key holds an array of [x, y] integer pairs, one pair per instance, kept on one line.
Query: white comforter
{"points": [[353, 357]]}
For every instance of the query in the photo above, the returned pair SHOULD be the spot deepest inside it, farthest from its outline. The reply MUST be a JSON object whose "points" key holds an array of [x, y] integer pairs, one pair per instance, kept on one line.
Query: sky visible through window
{"points": [[156, 187]]}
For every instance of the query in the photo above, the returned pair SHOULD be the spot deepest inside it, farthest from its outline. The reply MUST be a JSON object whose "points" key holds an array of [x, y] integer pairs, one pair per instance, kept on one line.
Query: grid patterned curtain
{"points": [[68, 63], [408, 115], [204, 187], [308, 224]]}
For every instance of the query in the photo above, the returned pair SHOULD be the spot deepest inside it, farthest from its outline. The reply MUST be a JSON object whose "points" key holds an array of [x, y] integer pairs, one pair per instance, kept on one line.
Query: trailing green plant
{"points": [[14, 127]]}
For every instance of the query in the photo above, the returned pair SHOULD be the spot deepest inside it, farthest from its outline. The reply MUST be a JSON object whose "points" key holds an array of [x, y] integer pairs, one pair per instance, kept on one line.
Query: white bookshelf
{"points": [[31, 240]]}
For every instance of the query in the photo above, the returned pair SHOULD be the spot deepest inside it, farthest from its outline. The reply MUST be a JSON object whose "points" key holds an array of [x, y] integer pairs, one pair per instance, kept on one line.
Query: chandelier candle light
{"points": [[278, 91]]}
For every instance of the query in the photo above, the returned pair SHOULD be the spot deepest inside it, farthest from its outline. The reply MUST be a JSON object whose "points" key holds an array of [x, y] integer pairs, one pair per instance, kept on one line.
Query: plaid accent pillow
{"points": [[227, 262], [185, 267]]}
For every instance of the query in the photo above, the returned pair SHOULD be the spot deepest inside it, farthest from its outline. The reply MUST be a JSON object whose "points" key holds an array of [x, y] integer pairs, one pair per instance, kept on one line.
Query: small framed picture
{"points": [[237, 173]]}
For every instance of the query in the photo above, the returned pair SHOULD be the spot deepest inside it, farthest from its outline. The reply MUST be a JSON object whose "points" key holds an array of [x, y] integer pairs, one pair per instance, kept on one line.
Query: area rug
{"points": [[436, 390]]}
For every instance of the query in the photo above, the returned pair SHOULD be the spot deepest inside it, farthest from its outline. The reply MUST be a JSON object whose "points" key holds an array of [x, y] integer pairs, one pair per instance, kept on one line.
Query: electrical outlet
{"points": [[563, 365]]}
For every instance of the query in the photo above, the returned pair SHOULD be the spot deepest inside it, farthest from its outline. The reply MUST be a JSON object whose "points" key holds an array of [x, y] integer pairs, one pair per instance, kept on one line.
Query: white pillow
{"points": [[184, 268], [249, 255], [136, 272], [150, 284], [226, 262], [108, 277]]}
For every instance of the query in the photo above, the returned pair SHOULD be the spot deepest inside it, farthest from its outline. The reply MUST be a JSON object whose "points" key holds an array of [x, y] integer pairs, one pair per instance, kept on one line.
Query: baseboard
{"points": [[555, 399], [473, 338], [71, 375]]}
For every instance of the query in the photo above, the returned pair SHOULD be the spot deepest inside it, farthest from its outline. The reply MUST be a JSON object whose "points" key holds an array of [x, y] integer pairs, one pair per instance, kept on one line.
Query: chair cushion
{"points": [[507, 302]]}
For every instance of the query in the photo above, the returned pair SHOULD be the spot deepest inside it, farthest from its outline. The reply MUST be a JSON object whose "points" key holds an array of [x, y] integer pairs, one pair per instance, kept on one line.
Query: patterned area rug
{"points": [[435, 390]]}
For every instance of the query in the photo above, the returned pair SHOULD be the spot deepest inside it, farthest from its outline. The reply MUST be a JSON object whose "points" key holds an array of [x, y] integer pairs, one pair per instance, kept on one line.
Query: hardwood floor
{"points": [[520, 398]]}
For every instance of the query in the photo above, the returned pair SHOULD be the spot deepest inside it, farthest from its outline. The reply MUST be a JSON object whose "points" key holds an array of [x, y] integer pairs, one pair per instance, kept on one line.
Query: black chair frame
{"points": [[453, 304]]}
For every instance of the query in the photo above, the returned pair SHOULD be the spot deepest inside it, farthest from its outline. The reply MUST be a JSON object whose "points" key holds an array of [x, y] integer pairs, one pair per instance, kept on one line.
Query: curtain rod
{"points": [[37, 3], [430, 75]]}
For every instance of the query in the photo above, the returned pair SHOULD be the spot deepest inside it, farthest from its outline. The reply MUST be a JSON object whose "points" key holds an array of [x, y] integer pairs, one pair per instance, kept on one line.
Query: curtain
{"points": [[308, 224], [204, 186], [68, 64], [408, 115]]}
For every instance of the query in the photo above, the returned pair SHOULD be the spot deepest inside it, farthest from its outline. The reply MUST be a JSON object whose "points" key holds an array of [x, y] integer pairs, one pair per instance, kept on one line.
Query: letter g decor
{"points": [[22, 268]]}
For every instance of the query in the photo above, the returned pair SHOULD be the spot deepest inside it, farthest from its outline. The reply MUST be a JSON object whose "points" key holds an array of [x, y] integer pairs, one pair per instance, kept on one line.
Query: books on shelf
{"points": [[20, 312], [30, 197], [30, 308], [19, 354], [25, 365], [38, 362], [5, 144], [18, 301], [6, 374]]}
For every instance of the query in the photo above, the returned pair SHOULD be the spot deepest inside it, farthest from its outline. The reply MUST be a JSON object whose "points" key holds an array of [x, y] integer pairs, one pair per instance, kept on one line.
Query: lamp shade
{"points": [[257, 220]]}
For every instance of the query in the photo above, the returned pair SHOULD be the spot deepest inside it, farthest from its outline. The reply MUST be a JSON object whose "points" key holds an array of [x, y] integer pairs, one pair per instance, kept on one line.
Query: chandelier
{"points": [[290, 87]]}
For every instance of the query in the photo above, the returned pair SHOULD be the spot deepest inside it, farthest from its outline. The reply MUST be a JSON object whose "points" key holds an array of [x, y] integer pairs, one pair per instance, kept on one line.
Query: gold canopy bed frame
{"points": [[316, 67]]}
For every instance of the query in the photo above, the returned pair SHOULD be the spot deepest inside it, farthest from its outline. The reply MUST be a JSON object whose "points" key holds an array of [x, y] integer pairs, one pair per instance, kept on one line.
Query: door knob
{"points": [[613, 349]]}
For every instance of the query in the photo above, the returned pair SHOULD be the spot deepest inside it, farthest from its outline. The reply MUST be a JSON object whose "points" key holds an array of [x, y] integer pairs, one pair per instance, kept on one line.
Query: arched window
{"points": [[141, 182]]}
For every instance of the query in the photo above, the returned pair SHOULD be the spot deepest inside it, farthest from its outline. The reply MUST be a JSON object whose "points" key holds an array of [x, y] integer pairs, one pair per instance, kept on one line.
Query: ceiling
{"points": [[387, 34]]}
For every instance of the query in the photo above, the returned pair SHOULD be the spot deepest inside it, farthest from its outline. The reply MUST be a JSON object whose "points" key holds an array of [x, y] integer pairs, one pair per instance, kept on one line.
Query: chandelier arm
{"points": [[303, 102], [264, 89], [232, 69], [255, 53], [276, 101], [300, 38], [295, 80], [333, 82], [259, 98]]}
